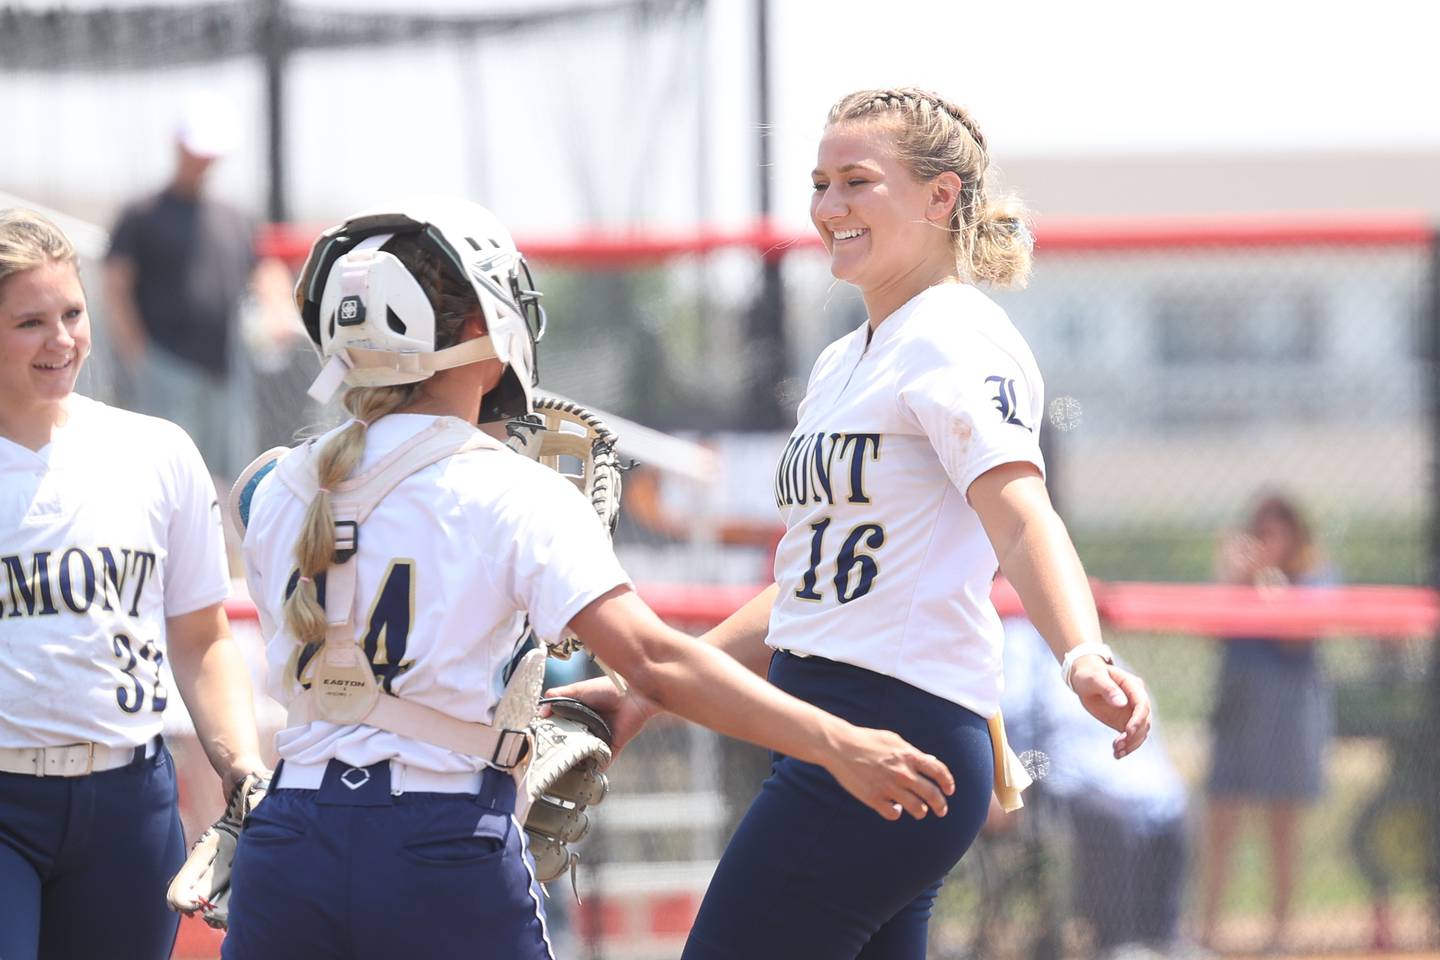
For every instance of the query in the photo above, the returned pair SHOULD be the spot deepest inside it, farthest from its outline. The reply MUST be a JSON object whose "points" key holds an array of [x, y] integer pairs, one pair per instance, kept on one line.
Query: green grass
{"points": [[1370, 550]]}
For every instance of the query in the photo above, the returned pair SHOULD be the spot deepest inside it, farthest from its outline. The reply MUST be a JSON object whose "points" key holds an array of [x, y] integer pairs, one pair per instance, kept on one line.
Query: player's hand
{"points": [[884, 772], [626, 713], [1239, 558], [241, 768], [1116, 698]]}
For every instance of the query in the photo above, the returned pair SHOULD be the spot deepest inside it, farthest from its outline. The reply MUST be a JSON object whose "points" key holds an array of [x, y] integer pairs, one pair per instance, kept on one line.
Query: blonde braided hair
{"points": [[990, 235], [453, 299]]}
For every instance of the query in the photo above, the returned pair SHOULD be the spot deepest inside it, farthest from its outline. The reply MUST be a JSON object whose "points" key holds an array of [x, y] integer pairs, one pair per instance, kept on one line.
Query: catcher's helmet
{"points": [[373, 324]]}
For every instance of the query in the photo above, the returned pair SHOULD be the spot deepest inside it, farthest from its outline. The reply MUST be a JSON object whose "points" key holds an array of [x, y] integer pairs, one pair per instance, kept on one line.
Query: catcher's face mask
{"points": [[373, 325]]}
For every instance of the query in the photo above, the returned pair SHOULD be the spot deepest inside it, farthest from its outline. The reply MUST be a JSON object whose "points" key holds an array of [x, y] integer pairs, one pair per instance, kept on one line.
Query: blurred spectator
{"points": [[178, 267], [1127, 816], [1271, 719]]}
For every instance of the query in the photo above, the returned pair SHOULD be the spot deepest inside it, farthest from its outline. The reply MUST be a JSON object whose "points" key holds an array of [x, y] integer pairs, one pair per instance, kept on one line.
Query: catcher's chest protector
{"points": [[342, 685], [559, 775]]}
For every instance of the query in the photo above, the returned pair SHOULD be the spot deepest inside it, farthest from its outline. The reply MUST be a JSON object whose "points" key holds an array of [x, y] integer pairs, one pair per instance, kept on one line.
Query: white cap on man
{"points": [[209, 126]]}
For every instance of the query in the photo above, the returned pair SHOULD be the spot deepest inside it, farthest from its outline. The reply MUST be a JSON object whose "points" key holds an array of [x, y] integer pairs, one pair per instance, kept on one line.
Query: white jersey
{"points": [[447, 567], [884, 564], [104, 533]]}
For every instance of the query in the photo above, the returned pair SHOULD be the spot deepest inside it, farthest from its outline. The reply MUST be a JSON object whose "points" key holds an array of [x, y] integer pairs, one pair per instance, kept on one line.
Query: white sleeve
{"points": [[979, 411], [197, 572], [561, 558]]}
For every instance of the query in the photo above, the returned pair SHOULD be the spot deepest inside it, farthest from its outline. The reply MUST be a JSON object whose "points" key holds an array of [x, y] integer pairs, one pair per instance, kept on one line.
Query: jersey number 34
{"points": [[387, 627]]}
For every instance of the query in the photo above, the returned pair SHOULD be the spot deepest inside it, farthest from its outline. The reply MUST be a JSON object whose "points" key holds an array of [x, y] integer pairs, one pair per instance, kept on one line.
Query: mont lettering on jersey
{"points": [[884, 564], [43, 584], [105, 534], [824, 465]]}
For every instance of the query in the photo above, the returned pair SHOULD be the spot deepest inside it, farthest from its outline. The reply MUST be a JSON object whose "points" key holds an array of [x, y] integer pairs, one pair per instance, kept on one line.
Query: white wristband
{"points": [[1067, 666]]}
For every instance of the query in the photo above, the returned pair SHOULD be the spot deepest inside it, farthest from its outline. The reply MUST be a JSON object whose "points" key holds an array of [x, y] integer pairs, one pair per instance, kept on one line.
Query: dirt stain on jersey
{"points": [[957, 448], [963, 429]]}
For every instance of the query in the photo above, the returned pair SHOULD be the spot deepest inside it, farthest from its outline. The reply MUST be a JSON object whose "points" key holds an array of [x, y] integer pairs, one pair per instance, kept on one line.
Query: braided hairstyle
{"points": [[453, 300], [932, 135]]}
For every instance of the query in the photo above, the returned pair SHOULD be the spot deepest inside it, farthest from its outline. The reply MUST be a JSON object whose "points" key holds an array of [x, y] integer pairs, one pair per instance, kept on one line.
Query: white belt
{"points": [[70, 760], [403, 779]]}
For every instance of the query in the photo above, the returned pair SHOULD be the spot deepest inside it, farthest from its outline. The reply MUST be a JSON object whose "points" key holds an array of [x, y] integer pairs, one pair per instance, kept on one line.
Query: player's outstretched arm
{"points": [[1038, 558], [741, 635], [703, 684], [214, 681]]}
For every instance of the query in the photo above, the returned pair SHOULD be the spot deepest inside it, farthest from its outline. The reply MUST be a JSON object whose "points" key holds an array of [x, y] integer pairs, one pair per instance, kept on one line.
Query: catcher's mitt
{"points": [[572, 745], [577, 444], [564, 429], [203, 883]]}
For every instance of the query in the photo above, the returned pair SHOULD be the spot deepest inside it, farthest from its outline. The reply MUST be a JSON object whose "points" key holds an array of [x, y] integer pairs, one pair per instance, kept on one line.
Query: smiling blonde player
{"points": [[111, 564], [912, 473]]}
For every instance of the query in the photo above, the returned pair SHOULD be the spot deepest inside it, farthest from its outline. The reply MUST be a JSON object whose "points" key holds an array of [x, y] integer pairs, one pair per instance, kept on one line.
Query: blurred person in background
{"points": [[1272, 717], [913, 472], [1127, 820], [110, 536], [179, 266]]}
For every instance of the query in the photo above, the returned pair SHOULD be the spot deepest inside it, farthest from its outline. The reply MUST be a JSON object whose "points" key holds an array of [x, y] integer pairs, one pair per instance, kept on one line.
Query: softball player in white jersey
{"points": [[365, 815], [113, 565], [912, 473]]}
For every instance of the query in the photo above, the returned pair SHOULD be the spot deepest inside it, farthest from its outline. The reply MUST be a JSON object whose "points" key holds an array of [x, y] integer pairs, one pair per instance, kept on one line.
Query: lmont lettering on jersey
{"points": [[819, 467], [46, 584]]}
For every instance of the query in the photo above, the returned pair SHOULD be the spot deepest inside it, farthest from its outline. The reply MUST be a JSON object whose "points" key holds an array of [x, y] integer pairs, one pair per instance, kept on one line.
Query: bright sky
{"points": [[1049, 77], [1125, 75], [553, 139]]}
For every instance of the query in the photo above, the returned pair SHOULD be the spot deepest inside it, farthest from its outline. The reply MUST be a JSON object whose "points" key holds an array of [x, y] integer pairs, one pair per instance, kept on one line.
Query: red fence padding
{"points": [[1234, 230], [1200, 609], [639, 246], [1296, 612]]}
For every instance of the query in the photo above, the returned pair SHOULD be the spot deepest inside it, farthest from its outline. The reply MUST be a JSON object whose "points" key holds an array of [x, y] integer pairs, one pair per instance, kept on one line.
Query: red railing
{"points": [[1198, 609], [607, 248]]}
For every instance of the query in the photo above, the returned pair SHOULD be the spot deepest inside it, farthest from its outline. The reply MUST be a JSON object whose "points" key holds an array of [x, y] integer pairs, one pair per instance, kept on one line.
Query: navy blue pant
{"points": [[348, 874], [84, 863], [812, 872]]}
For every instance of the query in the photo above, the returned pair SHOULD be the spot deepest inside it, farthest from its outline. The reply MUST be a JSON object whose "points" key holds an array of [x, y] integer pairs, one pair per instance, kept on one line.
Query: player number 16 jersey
{"points": [[884, 564]]}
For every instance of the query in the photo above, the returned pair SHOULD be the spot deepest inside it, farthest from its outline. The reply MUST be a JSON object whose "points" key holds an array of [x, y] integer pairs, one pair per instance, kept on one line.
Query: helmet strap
{"points": [[386, 368]]}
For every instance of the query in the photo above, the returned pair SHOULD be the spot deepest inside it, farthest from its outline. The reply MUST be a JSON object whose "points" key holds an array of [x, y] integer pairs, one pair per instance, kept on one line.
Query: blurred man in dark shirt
{"points": [[178, 268]]}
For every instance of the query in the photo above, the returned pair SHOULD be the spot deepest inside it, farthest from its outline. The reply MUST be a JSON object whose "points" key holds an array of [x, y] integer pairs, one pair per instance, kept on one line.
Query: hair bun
{"points": [[1011, 227]]}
